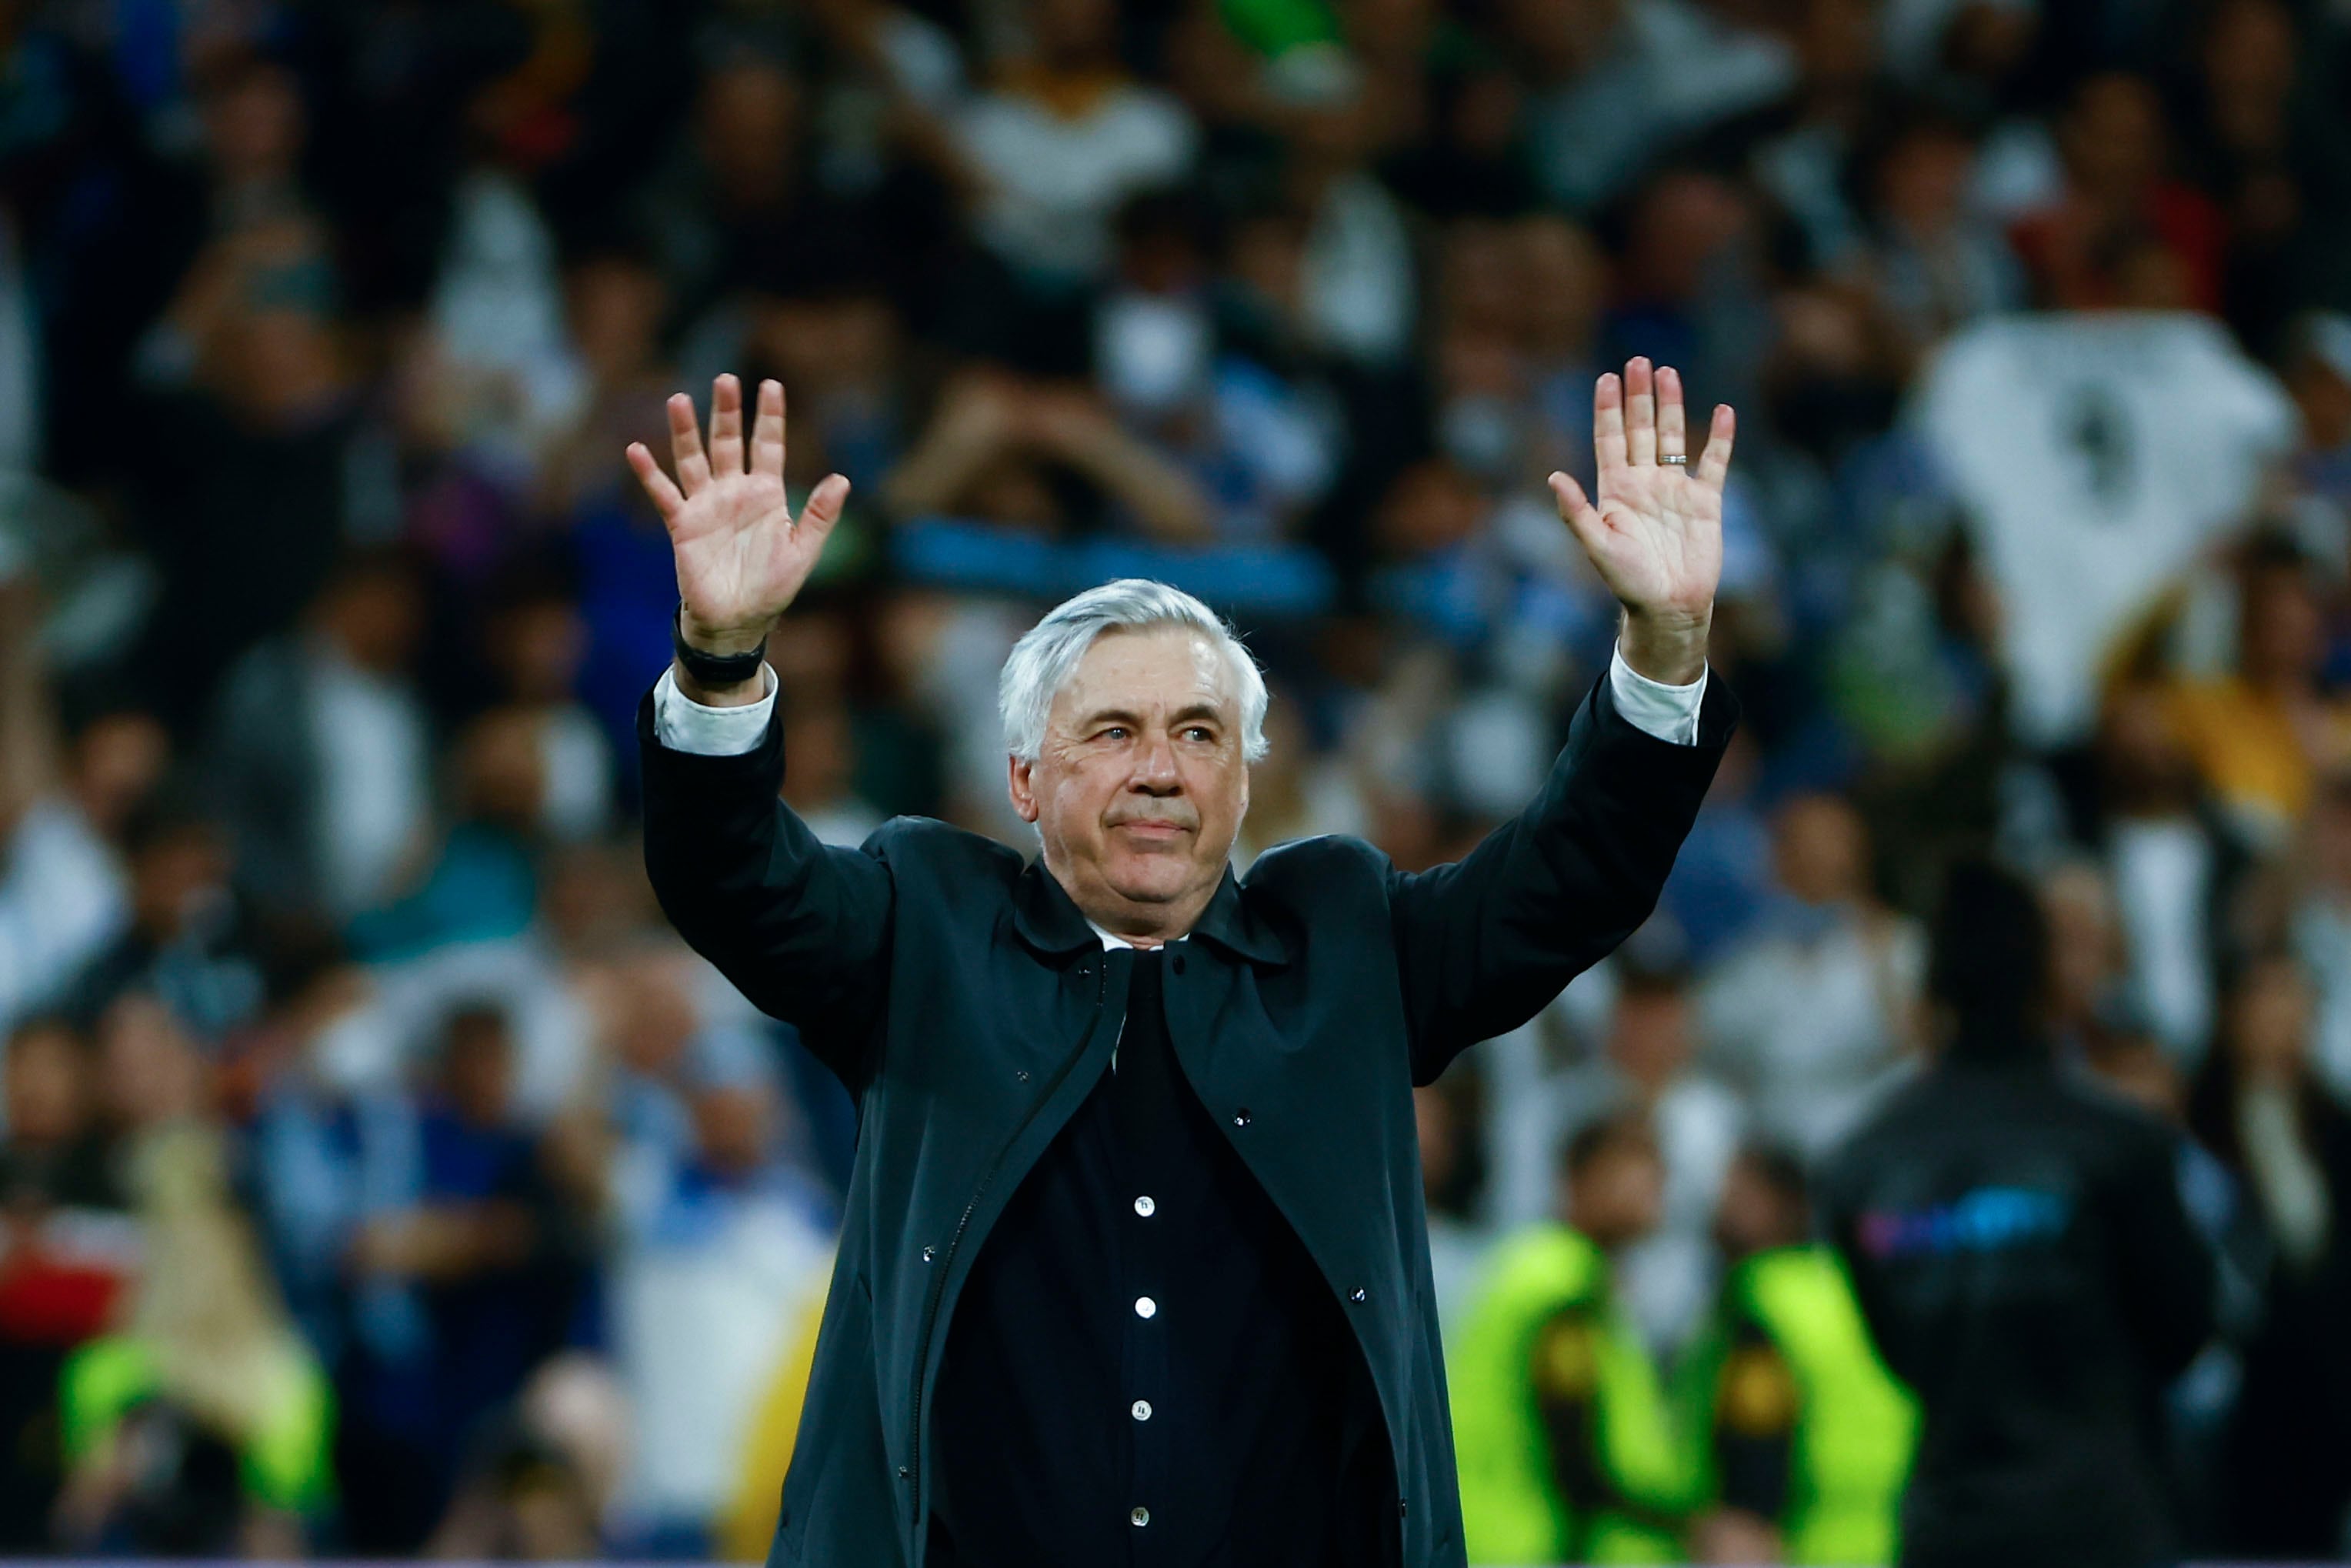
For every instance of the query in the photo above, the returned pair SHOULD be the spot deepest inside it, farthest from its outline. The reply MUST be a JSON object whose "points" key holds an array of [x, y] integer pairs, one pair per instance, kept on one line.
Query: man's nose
{"points": [[1154, 769]]}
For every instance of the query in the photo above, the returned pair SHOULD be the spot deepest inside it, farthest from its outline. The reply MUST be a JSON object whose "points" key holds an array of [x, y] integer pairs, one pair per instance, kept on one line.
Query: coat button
{"points": [[1358, 1295], [1144, 1207], [1241, 1117], [1141, 1409], [1022, 1075], [929, 1253], [1142, 1516], [1145, 1306]]}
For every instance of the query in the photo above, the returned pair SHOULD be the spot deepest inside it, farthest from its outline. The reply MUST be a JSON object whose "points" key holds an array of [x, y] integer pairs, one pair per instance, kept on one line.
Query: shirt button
{"points": [[929, 1253], [1142, 1516], [1358, 1295], [1145, 1306], [1141, 1409], [1241, 1117], [1144, 1207]]}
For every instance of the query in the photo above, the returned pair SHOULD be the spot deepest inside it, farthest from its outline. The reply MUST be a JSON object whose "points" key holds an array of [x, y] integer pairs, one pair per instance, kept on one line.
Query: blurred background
{"points": [[377, 1175]]}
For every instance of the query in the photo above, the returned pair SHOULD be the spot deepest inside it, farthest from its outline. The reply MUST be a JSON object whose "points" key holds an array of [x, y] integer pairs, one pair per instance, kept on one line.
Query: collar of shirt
{"points": [[1111, 943]]}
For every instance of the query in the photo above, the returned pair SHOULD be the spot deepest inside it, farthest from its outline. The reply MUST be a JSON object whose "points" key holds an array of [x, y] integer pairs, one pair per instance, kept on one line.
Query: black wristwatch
{"points": [[713, 671]]}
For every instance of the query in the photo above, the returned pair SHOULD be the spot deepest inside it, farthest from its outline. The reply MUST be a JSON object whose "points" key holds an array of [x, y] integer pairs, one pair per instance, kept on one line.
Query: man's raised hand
{"points": [[741, 557], [1655, 536]]}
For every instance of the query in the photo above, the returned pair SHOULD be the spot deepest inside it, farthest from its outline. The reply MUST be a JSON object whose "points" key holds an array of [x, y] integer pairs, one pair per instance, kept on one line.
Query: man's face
{"points": [[1619, 1196], [1140, 786]]}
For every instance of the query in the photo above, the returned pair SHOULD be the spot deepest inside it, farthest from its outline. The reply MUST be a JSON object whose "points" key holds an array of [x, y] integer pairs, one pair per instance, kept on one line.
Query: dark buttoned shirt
{"points": [[1144, 1366]]}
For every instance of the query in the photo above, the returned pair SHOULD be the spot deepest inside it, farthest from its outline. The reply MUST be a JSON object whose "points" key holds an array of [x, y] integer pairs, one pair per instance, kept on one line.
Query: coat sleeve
{"points": [[800, 927], [1489, 941], [1486, 942]]}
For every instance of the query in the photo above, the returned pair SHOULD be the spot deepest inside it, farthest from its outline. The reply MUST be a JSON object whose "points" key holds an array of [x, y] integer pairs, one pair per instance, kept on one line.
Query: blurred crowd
{"points": [[379, 1175]]}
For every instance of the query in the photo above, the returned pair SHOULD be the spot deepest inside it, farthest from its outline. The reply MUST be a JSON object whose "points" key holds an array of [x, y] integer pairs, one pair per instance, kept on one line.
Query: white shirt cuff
{"points": [[1652, 707], [681, 724]]}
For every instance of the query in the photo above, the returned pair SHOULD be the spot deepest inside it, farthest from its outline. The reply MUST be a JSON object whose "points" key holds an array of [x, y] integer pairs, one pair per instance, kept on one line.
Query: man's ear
{"points": [[1022, 789]]}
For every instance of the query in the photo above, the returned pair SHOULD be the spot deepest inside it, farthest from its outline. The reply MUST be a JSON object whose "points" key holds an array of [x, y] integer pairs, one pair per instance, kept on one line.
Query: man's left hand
{"points": [[1655, 536]]}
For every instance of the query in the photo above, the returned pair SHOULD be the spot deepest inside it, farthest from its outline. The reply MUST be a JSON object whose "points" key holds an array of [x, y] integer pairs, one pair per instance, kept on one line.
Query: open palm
{"points": [[1655, 536], [741, 557]]}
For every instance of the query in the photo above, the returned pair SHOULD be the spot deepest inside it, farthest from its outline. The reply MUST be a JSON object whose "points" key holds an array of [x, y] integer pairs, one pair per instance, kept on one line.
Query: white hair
{"points": [[1047, 654]]}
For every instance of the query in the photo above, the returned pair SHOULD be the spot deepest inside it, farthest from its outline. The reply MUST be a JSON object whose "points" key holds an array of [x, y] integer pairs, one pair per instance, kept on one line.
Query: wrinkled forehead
{"points": [[1148, 670]]}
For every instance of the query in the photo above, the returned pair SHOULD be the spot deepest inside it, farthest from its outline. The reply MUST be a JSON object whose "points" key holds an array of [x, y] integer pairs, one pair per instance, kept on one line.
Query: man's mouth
{"points": [[1153, 828]]}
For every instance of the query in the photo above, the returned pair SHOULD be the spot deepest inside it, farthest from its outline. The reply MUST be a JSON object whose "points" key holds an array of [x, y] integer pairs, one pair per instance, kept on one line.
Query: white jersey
{"points": [[2096, 456]]}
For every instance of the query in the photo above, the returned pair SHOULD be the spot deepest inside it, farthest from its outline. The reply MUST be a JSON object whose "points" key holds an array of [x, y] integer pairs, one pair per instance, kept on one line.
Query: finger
{"points": [[824, 505], [1673, 433], [656, 483], [1575, 509], [768, 432], [726, 427], [1640, 413], [1608, 424], [685, 446], [1714, 465]]}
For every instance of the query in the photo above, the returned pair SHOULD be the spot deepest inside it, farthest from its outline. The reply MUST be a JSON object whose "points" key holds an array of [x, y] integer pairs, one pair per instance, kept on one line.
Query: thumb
{"points": [[824, 505], [1578, 512]]}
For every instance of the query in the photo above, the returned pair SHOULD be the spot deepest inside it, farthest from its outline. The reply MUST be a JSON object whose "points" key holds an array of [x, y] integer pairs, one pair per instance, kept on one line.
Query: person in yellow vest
{"points": [[1807, 1439], [1566, 1447]]}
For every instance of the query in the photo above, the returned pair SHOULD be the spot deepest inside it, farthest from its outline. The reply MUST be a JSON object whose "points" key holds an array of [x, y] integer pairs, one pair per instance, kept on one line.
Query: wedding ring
{"points": [[1676, 459]]}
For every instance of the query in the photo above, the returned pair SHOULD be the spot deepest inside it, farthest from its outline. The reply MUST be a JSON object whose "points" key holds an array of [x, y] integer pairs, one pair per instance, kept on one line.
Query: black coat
{"points": [[2020, 1249], [963, 999]]}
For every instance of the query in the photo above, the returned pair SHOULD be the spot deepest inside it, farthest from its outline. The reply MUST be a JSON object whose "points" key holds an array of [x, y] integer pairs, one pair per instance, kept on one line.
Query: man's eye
{"points": [[1115, 732], [1200, 732]]}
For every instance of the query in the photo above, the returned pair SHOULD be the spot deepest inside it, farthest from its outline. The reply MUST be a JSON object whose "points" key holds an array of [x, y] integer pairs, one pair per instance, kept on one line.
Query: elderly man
{"points": [[1135, 1267]]}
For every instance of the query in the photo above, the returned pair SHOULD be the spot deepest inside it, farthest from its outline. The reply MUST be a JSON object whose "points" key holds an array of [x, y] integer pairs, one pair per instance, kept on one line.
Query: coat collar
{"points": [[1050, 922]]}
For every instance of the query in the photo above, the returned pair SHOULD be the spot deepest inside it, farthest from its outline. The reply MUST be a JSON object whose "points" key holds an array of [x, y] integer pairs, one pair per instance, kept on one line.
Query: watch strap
{"points": [[713, 670]]}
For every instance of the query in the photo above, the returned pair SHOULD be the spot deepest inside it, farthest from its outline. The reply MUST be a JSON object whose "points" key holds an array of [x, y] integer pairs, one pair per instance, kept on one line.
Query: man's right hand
{"points": [[741, 557]]}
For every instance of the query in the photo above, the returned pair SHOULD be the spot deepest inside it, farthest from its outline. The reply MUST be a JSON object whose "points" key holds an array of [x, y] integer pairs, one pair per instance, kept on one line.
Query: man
{"points": [[1567, 1447], [2020, 1251], [1134, 1266], [1806, 1438]]}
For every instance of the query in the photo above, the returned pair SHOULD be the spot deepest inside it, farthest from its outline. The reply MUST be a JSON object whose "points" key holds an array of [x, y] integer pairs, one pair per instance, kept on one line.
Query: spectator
{"points": [[1667, 1278], [322, 750], [2318, 374], [1566, 1447], [457, 1217], [205, 1426], [1063, 138], [2273, 153], [2263, 733], [2320, 930], [981, 456], [482, 885], [1809, 1439], [2020, 1251], [2259, 1107], [1818, 1009], [68, 1257], [723, 1242], [2125, 231], [62, 896], [537, 1479], [537, 640], [2170, 859], [189, 942], [1936, 263], [1611, 84]]}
